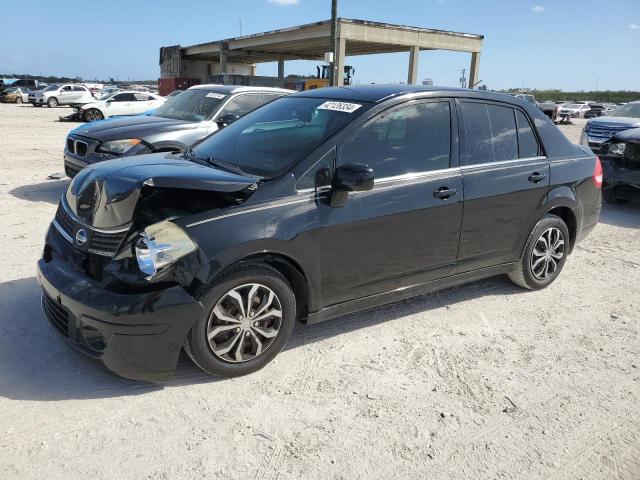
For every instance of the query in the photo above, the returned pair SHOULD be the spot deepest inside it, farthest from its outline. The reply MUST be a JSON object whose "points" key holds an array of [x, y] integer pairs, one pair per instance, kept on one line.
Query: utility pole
{"points": [[463, 78], [240, 25], [334, 43]]}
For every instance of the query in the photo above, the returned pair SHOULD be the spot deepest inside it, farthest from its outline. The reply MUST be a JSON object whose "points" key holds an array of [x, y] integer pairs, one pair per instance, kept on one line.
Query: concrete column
{"points": [[280, 69], [474, 71], [341, 48], [224, 53], [414, 55]]}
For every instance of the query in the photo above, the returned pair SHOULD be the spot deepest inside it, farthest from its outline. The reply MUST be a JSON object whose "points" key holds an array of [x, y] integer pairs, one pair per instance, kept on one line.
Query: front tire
{"points": [[19, 100], [92, 115], [252, 311], [544, 254], [52, 102]]}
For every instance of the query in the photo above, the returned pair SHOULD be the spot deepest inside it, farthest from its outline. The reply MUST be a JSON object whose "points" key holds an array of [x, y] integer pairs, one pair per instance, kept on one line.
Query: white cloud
{"points": [[284, 2], [538, 9], [634, 26]]}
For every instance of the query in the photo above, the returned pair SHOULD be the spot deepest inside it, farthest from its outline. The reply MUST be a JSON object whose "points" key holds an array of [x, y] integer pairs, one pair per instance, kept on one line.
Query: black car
{"points": [[318, 204], [621, 166], [596, 111]]}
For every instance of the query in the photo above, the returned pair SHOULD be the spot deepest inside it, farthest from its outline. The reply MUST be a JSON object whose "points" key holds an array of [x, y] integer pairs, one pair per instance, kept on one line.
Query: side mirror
{"points": [[226, 118], [353, 177]]}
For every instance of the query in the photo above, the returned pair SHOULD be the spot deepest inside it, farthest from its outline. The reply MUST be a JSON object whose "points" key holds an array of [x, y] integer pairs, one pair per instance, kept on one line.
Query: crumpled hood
{"points": [[104, 195], [632, 135], [138, 126]]}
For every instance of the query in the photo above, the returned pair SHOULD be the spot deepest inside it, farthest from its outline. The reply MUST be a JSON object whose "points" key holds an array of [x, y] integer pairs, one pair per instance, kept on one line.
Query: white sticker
{"points": [[215, 95], [340, 106]]}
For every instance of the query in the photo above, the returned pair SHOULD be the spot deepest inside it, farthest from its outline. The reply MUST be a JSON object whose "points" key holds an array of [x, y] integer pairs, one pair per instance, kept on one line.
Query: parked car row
{"points": [[302, 208]]}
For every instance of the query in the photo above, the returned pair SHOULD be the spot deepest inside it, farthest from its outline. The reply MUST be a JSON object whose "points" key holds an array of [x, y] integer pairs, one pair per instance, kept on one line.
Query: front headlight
{"points": [[617, 148], [160, 245], [119, 147]]}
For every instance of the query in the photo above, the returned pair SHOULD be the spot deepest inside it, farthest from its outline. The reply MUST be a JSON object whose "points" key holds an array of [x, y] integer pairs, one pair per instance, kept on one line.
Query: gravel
{"points": [[481, 381]]}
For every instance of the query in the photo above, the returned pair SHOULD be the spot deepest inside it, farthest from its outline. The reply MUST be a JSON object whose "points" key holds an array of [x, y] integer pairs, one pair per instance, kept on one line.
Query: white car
{"points": [[54, 95], [120, 103], [573, 109]]}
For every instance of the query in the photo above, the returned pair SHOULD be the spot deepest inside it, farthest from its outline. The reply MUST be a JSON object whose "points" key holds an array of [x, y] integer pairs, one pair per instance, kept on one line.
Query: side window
{"points": [[78, 89], [66, 88], [320, 174], [527, 143], [490, 133], [243, 104], [123, 97], [411, 139], [269, 97], [142, 97]]}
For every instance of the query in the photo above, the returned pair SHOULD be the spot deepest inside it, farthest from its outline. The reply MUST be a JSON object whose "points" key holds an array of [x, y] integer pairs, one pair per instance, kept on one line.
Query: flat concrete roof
{"points": [[312, 40]]}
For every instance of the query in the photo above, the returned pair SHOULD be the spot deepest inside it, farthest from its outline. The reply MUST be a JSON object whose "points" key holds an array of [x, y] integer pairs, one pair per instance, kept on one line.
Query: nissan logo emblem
{"points": [[81, 237]]}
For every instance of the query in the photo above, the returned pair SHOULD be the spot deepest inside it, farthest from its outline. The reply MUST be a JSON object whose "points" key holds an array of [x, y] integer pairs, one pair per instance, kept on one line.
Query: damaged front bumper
{"points": [[135, 335], [622, 182]]}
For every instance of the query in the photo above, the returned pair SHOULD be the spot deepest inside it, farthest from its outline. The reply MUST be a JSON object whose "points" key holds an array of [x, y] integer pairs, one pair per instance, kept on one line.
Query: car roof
{"points": [[379, 93], [237, 88]]}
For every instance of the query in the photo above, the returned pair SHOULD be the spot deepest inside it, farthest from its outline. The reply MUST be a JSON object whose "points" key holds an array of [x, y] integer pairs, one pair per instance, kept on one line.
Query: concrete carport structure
{"points": [[311, 41]]}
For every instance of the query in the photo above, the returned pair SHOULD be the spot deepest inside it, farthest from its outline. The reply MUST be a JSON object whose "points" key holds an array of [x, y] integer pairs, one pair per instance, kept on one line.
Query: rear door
{"points": [[506, 179], [406, 229]]}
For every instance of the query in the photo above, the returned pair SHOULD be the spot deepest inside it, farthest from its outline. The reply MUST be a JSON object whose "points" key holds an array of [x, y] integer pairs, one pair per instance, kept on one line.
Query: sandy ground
{"points": [[483, 381]]}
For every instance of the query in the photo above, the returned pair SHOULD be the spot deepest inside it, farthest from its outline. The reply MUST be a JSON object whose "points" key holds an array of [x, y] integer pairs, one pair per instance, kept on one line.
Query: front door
{"points": [[120, 104], [406, 229], [506, 179]]}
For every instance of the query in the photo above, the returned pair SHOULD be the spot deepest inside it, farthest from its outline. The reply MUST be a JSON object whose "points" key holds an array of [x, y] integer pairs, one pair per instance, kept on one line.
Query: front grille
{"points": [[100, 243], [71, 145], [81, 148], [56, 314]]}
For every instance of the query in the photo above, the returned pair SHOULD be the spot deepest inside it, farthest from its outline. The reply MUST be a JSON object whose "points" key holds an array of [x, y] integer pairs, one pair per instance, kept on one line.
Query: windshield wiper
{"points": [[227, 166]]}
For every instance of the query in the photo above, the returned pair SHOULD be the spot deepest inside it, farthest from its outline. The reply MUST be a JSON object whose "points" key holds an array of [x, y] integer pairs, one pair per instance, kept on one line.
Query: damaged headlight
{"points": [[160, 245], [119, 147], [617, 148]]}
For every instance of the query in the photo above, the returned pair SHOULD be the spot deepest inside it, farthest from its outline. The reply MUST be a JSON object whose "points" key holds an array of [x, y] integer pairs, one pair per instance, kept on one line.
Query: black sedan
{"points": [[316, 205], [621, 166]]}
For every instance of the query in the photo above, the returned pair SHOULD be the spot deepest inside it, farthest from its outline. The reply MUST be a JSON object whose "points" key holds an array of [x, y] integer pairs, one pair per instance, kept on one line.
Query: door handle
{"points": [[444, 192], [537, 177]]}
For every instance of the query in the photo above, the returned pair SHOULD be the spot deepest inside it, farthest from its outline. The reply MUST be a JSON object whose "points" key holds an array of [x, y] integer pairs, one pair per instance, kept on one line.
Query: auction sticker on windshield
{"points": [[215, 95], [340, 106]]}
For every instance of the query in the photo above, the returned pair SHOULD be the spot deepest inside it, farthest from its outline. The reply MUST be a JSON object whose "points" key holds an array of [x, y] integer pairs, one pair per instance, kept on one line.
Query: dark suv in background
{"points": [[318, 204], [173, 127]]}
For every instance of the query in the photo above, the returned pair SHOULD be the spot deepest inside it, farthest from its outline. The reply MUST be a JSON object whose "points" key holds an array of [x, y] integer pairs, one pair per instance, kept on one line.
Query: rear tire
{"points": [[92, 115], [52, 102], [253, 309], [544, 254]]}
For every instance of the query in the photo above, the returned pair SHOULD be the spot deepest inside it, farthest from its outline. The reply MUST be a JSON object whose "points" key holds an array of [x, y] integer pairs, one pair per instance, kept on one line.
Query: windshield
{"points": [[52, 87], [11, 90], [631, 110], [575, 105], [191, 105], [271, 139]]}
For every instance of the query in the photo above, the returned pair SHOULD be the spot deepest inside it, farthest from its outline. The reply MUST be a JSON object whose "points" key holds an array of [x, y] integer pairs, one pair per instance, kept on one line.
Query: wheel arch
{"points": [[288, 268], [569, 217]]}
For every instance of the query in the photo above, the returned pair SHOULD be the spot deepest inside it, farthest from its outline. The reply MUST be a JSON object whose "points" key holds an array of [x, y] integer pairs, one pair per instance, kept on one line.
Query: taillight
{"points": [[597, 173]]}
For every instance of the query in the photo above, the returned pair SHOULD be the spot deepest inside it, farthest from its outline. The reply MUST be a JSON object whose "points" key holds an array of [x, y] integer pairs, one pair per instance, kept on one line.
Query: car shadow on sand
{"points": [[49, 191], [37, 365]]}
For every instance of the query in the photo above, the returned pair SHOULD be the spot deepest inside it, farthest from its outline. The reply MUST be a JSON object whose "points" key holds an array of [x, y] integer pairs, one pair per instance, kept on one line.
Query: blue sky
{"points": [[568, 44]]}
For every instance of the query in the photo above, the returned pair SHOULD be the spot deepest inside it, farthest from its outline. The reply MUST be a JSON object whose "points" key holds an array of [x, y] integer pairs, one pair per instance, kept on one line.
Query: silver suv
{"points": [[173, 127], [67, 94]]}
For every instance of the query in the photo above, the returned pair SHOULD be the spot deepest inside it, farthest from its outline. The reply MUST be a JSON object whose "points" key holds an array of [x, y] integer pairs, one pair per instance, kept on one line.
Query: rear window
{"points": [[490, 133], [527, 142]]}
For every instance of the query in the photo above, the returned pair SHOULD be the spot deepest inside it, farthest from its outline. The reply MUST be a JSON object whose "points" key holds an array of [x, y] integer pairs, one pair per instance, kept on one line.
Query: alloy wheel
{"points": [[547, 253], [244, 323]]}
